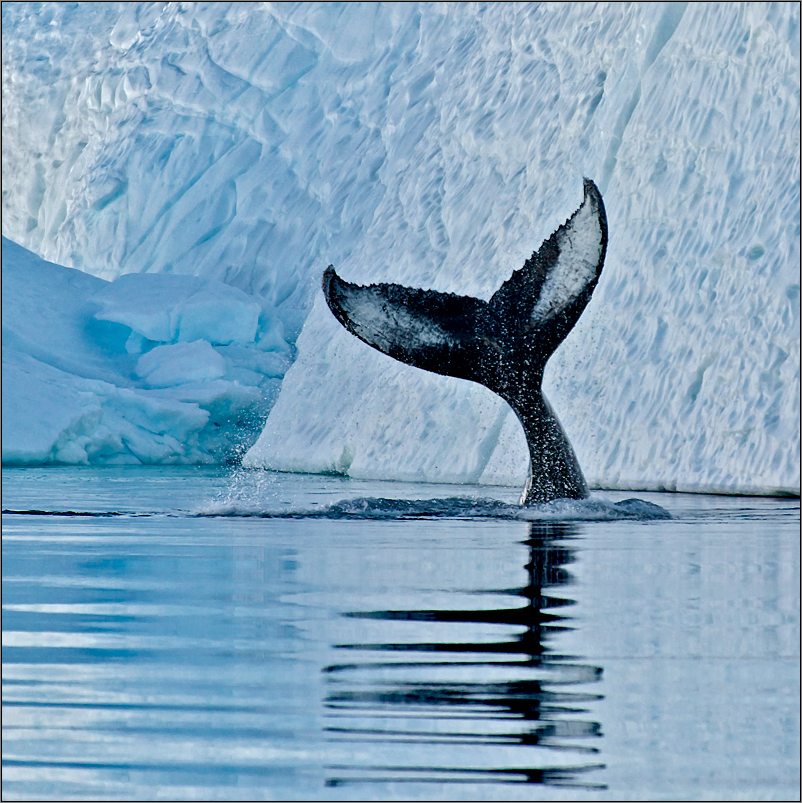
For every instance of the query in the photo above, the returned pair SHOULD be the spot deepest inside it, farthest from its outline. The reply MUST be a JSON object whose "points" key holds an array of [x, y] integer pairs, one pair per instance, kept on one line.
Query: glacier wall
{"points": [[437, 146]]}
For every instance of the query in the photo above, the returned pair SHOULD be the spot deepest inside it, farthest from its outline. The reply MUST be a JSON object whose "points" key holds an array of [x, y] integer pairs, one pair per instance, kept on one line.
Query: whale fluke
{"points": [[503, 343]]}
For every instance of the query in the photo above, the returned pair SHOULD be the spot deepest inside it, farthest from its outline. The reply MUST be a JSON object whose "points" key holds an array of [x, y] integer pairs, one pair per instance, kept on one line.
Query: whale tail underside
{"points": [[503, 343]]}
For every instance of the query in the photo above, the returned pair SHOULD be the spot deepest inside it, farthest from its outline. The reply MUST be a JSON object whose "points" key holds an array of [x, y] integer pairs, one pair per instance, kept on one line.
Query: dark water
{"points": [[196, 634]]}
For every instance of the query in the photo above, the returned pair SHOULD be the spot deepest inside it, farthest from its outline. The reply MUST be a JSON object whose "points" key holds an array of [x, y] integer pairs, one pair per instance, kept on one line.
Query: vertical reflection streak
{"points": [[515, 691]]}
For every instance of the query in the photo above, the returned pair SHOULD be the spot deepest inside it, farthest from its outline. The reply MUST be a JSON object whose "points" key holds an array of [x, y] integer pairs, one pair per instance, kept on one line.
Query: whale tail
{"points": [[503, 343]]}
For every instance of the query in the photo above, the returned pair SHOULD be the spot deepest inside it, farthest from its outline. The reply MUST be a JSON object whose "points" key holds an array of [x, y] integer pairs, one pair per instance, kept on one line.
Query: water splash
{"points": [[454, 507]]}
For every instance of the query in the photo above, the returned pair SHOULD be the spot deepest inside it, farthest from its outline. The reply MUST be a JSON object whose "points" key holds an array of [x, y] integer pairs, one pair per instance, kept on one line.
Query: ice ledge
{"points": [[147, 369]]}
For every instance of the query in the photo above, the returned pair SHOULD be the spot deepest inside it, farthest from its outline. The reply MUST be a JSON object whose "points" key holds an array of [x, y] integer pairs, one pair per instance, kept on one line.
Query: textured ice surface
{"points": [[75, 391], [183, 308], [437, 146]]}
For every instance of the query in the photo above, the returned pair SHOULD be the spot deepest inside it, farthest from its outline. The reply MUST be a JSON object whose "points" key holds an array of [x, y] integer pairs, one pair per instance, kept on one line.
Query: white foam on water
{"points": [[464, 508]]}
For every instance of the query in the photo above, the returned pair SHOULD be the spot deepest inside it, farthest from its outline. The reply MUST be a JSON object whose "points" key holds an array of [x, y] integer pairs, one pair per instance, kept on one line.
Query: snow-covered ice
{"points": [[430, 145]]}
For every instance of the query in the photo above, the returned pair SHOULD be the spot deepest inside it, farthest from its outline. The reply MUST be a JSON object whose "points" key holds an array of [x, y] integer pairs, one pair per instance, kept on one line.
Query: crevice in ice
{"points": [[617, 137], [664, 30], [488, 445]]}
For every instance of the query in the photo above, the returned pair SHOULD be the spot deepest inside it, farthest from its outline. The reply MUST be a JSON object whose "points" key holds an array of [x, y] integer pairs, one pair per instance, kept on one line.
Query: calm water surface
{"points": [[317, 637]]}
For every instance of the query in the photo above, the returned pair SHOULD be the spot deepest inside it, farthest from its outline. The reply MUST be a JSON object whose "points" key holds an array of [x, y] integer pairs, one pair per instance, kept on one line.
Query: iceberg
{"points": [[433, 146], [75, 391]]}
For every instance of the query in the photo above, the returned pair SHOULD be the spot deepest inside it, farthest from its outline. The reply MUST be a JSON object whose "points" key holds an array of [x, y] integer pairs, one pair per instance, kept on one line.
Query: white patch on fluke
{"points": [[384, 326], [580, 244]]}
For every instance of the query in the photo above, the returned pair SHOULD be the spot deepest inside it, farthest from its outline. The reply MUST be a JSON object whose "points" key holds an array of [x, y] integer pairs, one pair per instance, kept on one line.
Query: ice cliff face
{"points": [[437, 146]]}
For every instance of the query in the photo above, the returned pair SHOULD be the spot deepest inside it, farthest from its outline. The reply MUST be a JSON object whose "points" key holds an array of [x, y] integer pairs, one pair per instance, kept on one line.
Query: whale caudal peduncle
{"points": [[503, 343]]}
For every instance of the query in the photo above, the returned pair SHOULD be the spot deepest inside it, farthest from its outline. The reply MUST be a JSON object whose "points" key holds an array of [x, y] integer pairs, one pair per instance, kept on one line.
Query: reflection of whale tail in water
{"points": [[464, 705], [503, 343]]}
